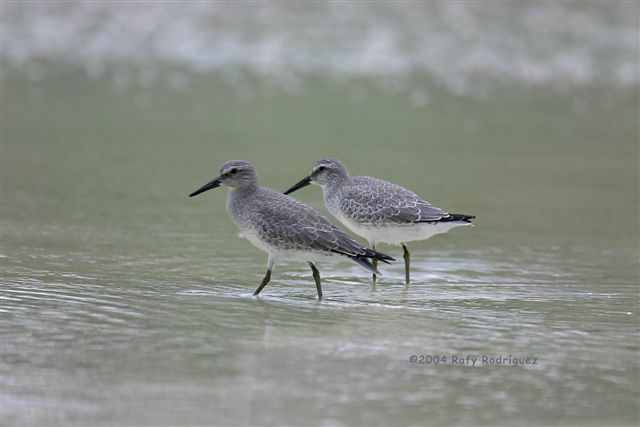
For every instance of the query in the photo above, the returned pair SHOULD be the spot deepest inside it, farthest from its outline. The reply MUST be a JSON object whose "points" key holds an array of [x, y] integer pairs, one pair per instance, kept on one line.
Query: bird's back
{"points": [[284, 223], [368, 200]]}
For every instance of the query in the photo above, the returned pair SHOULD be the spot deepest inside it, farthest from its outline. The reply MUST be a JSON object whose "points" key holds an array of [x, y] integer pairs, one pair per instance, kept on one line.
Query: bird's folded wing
{"points": [[383, 202], [291, 224]]}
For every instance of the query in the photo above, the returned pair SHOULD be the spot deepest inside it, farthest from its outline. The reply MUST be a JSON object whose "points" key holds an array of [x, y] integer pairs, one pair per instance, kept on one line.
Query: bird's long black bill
{"points": [[208, 186], [303, 183]]}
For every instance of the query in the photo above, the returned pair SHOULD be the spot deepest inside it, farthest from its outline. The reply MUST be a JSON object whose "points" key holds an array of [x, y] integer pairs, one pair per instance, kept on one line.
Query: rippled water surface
{"points": [[124, 302]]}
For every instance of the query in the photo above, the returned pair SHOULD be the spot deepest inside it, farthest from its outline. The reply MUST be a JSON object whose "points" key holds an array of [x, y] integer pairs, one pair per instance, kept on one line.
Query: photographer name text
{"points": [[473, 360]]}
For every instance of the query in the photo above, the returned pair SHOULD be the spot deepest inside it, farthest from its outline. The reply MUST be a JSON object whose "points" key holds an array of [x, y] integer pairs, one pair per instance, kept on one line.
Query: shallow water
{"points": [[124, 302], [183, 341]]}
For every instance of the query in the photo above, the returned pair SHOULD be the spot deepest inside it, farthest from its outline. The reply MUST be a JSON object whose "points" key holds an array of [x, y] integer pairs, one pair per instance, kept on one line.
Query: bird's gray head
{"points": [[238, 174], [326, 171], [234, 174]]}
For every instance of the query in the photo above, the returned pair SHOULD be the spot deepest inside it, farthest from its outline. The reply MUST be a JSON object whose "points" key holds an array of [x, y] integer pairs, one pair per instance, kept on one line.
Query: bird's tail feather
{"points": [[360, 259], [462, 217], [451, 218], [370, 253]]}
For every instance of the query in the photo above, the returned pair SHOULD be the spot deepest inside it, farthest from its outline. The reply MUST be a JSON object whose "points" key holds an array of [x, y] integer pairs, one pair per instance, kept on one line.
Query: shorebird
{"points": [[379, 211], [283, 226]]}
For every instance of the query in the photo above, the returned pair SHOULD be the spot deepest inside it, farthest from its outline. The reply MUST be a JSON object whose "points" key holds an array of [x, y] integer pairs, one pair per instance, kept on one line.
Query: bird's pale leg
{"points": [[407, 263], [316, 277], [374, 263], [267, 277]]}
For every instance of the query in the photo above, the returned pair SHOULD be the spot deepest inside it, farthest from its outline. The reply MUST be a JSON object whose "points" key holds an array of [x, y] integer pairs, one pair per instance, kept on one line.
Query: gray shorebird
{"points": [[379, 211], [283, 226]]}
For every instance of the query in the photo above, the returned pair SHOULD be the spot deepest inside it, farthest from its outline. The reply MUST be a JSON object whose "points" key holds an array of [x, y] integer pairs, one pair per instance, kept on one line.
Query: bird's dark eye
{"points": [[321, 168], [234, 171]]}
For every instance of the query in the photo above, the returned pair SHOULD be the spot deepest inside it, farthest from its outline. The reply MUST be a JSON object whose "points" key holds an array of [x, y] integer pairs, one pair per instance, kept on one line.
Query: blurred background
{"points": [[126, 303]]}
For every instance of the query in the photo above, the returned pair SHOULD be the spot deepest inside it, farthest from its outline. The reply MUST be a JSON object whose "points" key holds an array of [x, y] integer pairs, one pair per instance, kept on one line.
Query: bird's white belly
{"points": [[256, 241], [397, 234]]}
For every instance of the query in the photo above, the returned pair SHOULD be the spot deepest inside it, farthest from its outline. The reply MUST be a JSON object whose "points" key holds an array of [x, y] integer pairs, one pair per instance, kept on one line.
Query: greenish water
{"points": [[124, 302]]}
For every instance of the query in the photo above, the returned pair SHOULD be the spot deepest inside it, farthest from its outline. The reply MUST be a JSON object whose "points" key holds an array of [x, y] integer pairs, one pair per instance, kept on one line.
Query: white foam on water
{"points": [[468, 48]]}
